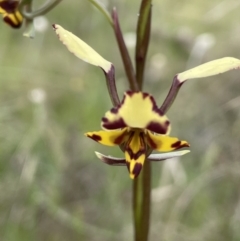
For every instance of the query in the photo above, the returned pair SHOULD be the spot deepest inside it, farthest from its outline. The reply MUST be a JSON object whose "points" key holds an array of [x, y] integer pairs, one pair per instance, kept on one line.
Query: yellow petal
{"points": [[165, 143], [108, 138], [134, 166], [80, 49], [135, 152], [13, 19], [137, 110], [214, 67]]}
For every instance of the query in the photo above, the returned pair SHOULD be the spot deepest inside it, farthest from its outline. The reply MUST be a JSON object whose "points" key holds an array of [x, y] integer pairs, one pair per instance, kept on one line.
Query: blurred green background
{"points": [[52, 186]]}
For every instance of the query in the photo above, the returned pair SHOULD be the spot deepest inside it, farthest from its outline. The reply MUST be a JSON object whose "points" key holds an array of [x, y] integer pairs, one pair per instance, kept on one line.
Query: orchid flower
{"points": [[136, 124], [10, 13], [139, 126]]}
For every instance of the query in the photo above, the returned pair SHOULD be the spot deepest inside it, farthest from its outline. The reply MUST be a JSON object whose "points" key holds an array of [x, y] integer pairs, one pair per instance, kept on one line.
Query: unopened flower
{"points": [[10, 13]]}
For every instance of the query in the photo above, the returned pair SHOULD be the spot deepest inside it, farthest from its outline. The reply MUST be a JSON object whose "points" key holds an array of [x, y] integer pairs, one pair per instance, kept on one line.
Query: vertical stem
{"points": [[143, 35], [141, 203], [124, 53], [142, 184]]}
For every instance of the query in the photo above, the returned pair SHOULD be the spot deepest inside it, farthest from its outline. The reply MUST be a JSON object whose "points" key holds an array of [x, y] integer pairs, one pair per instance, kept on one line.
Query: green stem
{"points": [[102, 9], [142, 184], [143, 35], [142, 203], [47, 6], [29, 29]]}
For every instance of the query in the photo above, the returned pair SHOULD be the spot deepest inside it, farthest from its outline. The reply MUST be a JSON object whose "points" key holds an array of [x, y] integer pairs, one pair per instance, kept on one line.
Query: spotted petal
{"points": [[108, 138], [135, 152], [8, 6], [13, 19], [165, 143], [11, 15], [137, 110]]}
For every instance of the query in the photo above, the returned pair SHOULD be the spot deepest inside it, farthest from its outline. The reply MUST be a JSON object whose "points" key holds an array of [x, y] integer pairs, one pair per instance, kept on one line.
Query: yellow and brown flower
{"points": [[10, 13], [138, 126]]}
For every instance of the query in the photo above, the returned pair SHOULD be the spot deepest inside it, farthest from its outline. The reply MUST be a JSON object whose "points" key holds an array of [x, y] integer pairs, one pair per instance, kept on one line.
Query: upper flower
{"points": [[138, 126], [11, 15]]}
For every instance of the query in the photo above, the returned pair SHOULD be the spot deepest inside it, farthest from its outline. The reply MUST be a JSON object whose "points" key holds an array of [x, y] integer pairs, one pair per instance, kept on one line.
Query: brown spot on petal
{"points": [[179, 144], [9, 6], [129, 93], [95, 137], [167, 123], [176, 144], [145, 95], [158, 128], [104, 119], [119, 124], [136, 170], [151, 143], [13, 24], [114, 110], [119, 139], [142, 147]]}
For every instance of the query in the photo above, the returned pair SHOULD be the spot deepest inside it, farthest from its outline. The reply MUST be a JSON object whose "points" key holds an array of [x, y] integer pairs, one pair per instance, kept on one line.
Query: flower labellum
{"points": [[139, 127]]}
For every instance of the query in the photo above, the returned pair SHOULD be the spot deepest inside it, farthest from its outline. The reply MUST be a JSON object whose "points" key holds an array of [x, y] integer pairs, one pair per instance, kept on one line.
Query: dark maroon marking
{"points": [[151, 142], [178, 145], [154, 106], [9, 6], [11, 23], [157, 110], [119, 124], [95, 137], [142, 148], [114, 110], [135, 156], [119, 139], [123, 100], [130, 93], [113, 162], [136, 170], [157, 128], [54, 26], [128, 166], [145, 95], [167, 123], [104, 119]]}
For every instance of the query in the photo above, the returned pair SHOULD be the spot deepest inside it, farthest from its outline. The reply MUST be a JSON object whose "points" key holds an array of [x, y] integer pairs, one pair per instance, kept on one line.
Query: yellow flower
{"points": [[10, 13], [138, 126]]}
